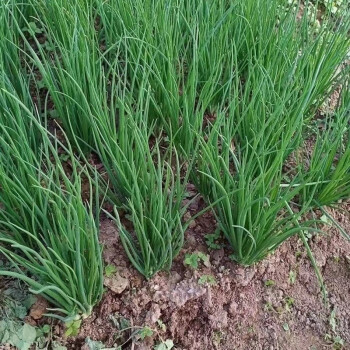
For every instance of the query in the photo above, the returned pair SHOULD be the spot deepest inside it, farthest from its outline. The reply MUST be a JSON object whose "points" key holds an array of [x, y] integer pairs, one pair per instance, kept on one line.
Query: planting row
{"points": [[221, 95]]}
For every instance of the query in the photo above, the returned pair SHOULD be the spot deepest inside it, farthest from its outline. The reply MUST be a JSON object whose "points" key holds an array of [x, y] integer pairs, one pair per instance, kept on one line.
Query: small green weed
{"points": [[292, 277], [334, 338], [286, 327], [193, 259], [161, 325], [211, 240], [207, 279], [145, 332], [289, 303], [269, 283], [15, 303], [165, 345], [72, 328], [217, 338], [110, 270]]}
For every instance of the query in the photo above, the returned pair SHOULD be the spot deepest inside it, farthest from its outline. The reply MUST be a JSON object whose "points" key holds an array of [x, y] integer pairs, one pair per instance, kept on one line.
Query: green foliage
{"points": [[289, 302], [165, 345], [161, 325], [193, 259], [57, 346], [212, 238], [47, 233], [286, 327], [15, 303], [72, 328], [329, 164], [269, 283], [153, 195], [292, 277], [94, 345], [219, 93], [45, 328], [68, 64], [20, 336], [335, 339], [110, 270], [240, 166], [145, 332], [207, 279]]}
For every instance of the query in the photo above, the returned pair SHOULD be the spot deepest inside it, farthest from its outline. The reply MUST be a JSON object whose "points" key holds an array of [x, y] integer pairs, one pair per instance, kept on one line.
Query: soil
{"points": [[276, 304]]}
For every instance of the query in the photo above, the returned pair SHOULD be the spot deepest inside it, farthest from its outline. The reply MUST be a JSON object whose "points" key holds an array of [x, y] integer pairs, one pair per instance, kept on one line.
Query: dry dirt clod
{"points": [[219, 319], [141, 346], [187, 217], [186, 291], [174, 278], [191, 241], [39, 308], [153, 315], [233, 308], [116, 283], [244, 276], [217, 256]]}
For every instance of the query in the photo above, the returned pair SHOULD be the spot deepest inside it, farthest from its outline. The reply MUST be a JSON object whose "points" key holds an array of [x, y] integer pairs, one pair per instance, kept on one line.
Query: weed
{"points": [[161, 325], [269, 283], [289, 303], [110, 270], [15, 304], [217, 338], [211, 240], [269, 307], [292, 277], [286, 327], [120, 322], [72, 328], [208, 280], [333, 321], [335, 339], [193, 259], [95, 345], [165, 345], [145, 332]]}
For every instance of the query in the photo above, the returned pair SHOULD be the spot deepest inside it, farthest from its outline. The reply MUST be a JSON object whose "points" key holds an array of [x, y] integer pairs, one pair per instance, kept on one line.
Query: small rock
{"points": [[219, 319], [244, 276], [191, 190], [116, 283], [233, 308], [153, 315], [198, 229], [141, 346], [217, 256], [194, 205], [187, 217], [186, 291], [39, 308], [209, 298], [191, 241], [174, 278], [137, 281]]}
